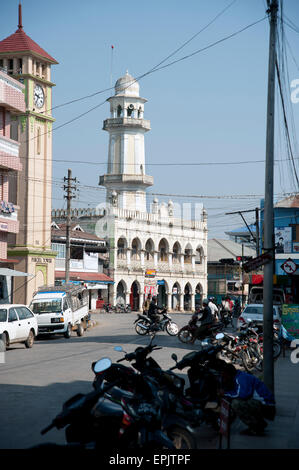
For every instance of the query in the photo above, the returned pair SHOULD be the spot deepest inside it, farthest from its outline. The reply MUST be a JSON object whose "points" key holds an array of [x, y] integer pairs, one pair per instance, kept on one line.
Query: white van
{"points": [[60, 309], [257, 293]]}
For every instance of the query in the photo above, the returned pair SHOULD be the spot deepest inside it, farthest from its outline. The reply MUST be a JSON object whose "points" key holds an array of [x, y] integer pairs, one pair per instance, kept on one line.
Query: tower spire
{"points": [[20, 26]]}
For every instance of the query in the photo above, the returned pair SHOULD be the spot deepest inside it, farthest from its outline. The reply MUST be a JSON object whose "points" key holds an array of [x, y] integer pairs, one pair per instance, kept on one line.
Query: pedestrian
{"points": [[146, 304], [251, 401]]}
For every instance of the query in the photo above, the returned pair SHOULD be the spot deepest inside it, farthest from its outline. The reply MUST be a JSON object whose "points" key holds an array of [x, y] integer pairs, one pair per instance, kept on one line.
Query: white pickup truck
{"points": [[61, 309]]}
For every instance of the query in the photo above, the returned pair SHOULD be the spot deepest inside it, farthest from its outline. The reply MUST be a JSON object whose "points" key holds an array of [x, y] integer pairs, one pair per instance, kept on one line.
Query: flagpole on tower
{"points": [[111, 65]]}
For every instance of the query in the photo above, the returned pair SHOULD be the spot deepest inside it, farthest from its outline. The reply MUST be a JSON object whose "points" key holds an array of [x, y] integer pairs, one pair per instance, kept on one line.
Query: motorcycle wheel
{"points": [[172, 328], [141, 331], [185, 336], [247, 361], [276, 349], [181, 438]]}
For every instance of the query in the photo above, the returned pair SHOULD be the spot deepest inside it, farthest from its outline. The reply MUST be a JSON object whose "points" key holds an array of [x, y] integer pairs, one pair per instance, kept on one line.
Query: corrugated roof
{"points": [[20, 42], [288, 202], [220, 248], [74, 234], [242, 230], [81, 276]]}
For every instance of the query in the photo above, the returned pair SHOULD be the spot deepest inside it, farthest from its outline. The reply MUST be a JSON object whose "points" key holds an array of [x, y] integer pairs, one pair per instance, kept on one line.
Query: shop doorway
{"points": [[134, 296], [162, 297]]}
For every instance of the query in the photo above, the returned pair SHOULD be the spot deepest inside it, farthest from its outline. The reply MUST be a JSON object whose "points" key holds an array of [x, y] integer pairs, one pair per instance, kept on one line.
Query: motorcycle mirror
{"points": [[174, 357], [102, 364], [220, 336], [118, 348]]}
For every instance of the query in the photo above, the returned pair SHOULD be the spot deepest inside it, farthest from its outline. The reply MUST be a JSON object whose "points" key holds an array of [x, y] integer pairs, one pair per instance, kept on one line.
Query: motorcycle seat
{"points": [[119, 393]]}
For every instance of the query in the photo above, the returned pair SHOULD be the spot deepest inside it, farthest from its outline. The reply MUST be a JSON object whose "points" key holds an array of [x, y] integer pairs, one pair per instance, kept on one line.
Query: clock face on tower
{"points": [[39, 97]]}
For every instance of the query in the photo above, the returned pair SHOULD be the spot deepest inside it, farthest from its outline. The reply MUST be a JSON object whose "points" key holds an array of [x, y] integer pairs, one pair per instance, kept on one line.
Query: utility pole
{"points": [[242, 271], [69, 196], [268, 209], [257, 230]]}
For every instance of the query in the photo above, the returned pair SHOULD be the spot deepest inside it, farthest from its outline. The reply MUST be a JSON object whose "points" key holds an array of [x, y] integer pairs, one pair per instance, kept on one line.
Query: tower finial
{"points": [[20, 26]]}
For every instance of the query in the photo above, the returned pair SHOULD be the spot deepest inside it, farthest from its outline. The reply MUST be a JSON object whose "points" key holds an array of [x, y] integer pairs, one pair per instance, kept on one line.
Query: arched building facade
{"points": [[150, 250]]}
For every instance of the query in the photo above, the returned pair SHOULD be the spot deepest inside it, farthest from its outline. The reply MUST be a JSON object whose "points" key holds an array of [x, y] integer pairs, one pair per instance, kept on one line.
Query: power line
{"points": [[160, 63], [198, 51]]}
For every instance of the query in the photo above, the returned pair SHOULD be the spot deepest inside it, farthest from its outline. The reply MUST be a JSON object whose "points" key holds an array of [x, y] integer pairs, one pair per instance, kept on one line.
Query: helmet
{"points": [[212, 299], [205, 302]]}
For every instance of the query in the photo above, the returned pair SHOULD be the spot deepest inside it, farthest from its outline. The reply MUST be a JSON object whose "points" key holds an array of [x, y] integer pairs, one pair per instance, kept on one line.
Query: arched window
{"points": [[119, 110], [188, 254], [121, 248], [176, 252], [163, 250], [198, 255], [130, 110], [136, 246], [149, 250]]}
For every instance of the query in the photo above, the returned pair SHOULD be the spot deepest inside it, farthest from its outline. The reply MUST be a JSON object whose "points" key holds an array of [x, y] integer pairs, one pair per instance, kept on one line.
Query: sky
{"points": [[208, 108]]}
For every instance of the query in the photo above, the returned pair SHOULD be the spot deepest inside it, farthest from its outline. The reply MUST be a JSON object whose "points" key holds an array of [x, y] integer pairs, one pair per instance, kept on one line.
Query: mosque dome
{"points": [[127, 85]]}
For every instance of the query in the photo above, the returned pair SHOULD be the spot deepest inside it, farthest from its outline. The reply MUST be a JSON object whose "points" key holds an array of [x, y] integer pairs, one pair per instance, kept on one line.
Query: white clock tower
{"points": [[125, 179]]}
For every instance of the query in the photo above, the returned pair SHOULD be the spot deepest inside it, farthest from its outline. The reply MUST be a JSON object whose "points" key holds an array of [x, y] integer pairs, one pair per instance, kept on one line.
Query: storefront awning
{"points": [[12, 272]]}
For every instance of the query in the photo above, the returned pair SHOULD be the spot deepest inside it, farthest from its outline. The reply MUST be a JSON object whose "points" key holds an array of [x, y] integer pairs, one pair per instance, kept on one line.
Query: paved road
{"points": [[35, 382]]}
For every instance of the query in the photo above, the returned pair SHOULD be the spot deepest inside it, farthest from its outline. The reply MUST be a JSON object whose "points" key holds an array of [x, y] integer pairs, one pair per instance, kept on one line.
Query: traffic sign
{"points": [[289, 266], [255, 263]]}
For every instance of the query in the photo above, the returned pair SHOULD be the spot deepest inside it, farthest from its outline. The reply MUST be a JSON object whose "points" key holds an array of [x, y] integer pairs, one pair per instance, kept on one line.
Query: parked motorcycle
{"points": [[170, 387], [144, 325], [204, 368], [96, 421], [122, 308]]}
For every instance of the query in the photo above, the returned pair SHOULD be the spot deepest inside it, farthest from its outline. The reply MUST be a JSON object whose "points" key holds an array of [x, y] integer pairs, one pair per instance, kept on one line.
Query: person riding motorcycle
{"points": [[206, 320], [154, 310], [214, 308]]}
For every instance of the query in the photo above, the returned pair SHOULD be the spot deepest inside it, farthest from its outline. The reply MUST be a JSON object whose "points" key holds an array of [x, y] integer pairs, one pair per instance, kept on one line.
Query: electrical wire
{"points": [[162, 67], [153, 68]]}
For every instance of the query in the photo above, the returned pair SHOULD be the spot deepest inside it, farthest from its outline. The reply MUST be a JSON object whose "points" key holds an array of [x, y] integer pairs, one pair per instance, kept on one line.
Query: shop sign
{"points": [[161, 282], [283, 239], [3, 227], [149, 282], [290, 319], [150, 290], [150, 273], [41, 260], [6, 207], [296, 247]]}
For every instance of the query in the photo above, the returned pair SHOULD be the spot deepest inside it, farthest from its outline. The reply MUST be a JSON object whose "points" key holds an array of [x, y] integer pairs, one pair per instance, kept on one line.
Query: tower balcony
{"points": [[9, 154], [126, 180], [126, 122], [11, 94]]}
